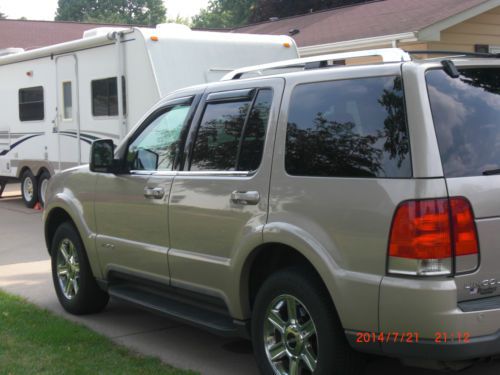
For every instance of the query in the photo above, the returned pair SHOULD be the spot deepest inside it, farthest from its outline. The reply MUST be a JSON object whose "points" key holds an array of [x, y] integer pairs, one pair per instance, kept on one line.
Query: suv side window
{"points": [[231, 134], [157, 147], [348, 128]]}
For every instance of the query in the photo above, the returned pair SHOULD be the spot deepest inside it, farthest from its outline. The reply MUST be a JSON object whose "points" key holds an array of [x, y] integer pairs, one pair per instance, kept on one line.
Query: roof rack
{"points": [[316, 62]]}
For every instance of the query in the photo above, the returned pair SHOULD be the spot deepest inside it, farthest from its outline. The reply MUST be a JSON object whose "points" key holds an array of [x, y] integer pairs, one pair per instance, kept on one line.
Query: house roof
{"points": [[366, 20], [361, 21], [35, 34]]}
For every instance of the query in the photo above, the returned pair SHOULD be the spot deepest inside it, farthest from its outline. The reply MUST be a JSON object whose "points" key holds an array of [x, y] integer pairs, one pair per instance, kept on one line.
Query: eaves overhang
{"points": [[364, 43]]}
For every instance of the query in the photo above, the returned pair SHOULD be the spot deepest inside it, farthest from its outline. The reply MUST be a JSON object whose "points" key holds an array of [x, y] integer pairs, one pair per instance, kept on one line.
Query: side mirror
{"points": [[102, 153]]}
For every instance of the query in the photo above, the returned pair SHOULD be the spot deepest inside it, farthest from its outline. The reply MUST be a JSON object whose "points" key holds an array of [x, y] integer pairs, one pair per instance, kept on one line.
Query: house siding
{"points": [[482, 29]]}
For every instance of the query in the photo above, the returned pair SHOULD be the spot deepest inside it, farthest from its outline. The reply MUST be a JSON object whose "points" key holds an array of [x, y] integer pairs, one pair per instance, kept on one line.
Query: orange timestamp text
{"points": [[411, 337]]}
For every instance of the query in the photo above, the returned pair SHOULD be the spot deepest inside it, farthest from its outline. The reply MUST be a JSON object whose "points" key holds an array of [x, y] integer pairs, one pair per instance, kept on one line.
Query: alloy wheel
{"points": [[68, 269], [290, 337]]}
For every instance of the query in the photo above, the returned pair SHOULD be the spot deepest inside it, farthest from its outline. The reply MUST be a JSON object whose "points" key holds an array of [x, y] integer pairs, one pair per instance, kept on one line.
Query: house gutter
{"points": [[365, 43]]}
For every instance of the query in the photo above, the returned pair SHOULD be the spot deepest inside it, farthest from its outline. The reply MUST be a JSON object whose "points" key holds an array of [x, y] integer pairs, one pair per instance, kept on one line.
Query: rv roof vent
{"points": [[10, 51], [169, 28], [98, 31]]}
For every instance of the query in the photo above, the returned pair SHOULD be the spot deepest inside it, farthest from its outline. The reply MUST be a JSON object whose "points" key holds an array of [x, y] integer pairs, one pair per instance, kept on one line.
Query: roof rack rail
{"points": [[317, 62], [455, 53]]}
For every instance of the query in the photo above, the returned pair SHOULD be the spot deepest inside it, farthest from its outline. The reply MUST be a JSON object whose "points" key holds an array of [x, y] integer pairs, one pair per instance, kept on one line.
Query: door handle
{"points": [[154, 193], [245, 197]]}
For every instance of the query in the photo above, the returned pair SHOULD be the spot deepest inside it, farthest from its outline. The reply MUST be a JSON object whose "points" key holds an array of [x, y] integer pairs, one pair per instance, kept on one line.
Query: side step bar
{"points": [[172, 307]]}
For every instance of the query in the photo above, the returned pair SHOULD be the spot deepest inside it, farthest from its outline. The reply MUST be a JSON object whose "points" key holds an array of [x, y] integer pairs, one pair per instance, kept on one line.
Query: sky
{"points": [[45, 9]]}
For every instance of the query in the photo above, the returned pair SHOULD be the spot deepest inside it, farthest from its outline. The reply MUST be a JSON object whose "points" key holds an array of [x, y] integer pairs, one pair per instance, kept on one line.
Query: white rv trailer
{"points": [[54, 101]]}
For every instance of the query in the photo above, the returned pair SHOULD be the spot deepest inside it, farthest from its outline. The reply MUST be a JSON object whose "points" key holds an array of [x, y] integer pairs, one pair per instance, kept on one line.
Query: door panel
{"points": [[217, 208], [133, 229], [67, 119], [132, 208]]}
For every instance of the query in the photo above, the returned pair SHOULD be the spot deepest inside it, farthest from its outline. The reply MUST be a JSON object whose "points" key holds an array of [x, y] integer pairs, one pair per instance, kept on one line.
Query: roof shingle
{"points": [[378, 18]]}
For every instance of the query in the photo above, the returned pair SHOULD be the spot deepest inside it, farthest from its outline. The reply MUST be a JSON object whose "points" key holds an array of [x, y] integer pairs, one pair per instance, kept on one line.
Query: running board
{"points": [[179, 310]]}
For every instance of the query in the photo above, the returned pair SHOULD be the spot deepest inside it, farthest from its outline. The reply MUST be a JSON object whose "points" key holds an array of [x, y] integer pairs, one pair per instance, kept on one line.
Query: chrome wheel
{"points": [[68, 269], [290, 337], [28, 189]]}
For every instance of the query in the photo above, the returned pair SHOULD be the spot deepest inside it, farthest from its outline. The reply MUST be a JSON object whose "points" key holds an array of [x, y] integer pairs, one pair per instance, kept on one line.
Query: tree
{"points": [[266, 9], [133, 12], [234, 13], [225, 14], [2, 16], [181, 20]]}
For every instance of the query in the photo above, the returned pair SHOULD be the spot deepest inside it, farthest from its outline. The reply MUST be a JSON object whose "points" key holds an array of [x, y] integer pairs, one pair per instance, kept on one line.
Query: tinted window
{"points": [[252, 144], [230, 137], [105, 97], [348, 128], [466, 113], [157, 147], [31, 104], [218, 137]]}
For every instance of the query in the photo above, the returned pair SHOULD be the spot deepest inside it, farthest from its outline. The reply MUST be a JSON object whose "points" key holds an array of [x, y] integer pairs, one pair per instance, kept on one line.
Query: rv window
{"points": [[105, 97], [67, 101], [31, 104]]}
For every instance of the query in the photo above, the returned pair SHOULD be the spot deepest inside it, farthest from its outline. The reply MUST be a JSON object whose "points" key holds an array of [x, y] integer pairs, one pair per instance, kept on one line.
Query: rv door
{"points": [[67, 119]]}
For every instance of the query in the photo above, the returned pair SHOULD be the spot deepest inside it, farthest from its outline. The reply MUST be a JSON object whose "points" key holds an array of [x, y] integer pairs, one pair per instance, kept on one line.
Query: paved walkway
{"points": [[25, 271]]}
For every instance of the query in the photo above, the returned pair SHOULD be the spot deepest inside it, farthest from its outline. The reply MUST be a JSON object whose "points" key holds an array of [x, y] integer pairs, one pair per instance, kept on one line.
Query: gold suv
{"points": [[321, 209]]}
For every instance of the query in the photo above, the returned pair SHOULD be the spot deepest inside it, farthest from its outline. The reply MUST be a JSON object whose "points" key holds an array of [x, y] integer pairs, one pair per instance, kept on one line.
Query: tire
{"points": [[324, 352], [29, 189], [75, 285], [43, 179]]}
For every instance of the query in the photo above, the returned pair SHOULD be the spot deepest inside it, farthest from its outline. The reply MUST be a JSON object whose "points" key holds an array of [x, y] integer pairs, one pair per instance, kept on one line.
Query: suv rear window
{"points": [[466, 113], [348, 128]]}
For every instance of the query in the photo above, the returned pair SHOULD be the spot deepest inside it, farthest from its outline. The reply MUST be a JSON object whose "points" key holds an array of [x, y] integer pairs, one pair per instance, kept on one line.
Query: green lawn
{"points": [[35, 341]]}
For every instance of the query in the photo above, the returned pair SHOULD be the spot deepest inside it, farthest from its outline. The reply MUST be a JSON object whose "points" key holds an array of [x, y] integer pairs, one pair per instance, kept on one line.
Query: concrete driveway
{"points": [[25, 270]]}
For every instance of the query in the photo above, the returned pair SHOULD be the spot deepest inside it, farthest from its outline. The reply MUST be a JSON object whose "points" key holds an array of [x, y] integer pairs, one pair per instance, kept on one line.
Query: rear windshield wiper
{"points": [[490, 172]]}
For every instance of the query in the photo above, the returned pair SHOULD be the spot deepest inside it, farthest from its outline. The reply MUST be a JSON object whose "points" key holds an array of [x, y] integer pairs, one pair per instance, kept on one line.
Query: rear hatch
{"points": [[466, 114]]}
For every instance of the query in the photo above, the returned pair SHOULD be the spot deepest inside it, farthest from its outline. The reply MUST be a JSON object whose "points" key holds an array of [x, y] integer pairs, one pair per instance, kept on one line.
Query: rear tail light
{"points": [[429, 236]]}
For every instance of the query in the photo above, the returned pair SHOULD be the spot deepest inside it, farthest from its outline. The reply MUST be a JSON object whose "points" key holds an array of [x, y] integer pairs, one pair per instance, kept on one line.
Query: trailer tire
{"points": [[43, 180], [29, 188]]}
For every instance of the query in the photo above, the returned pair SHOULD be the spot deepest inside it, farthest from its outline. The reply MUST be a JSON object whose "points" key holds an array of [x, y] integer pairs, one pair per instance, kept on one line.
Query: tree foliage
{"points": [[2, 16], [234, 13], [266, 9], [225, 14], [133, 12]]}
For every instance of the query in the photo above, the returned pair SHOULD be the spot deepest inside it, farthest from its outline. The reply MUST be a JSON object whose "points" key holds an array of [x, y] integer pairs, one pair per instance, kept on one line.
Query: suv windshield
{"points": [[466, 113]]}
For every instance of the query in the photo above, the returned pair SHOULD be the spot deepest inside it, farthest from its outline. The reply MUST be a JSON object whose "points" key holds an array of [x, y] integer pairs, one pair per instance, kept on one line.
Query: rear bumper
{"points": [[423, 319]]}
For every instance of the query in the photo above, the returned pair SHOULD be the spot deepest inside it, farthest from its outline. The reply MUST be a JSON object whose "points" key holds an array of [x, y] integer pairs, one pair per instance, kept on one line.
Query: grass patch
{"points": [[35, 341]]}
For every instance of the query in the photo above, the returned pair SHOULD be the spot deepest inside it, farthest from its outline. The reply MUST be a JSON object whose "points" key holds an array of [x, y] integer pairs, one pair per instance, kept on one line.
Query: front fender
{"points": [[72, 193]]}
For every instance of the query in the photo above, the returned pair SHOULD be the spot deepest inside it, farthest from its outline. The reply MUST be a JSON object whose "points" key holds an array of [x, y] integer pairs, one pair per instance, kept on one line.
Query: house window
{"points": [[105, 97], [31, 106], [494, 49]]}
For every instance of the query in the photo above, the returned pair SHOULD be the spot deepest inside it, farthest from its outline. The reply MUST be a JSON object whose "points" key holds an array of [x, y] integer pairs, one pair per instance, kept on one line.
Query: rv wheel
{"points": [[43, 181], [29, 189]]}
